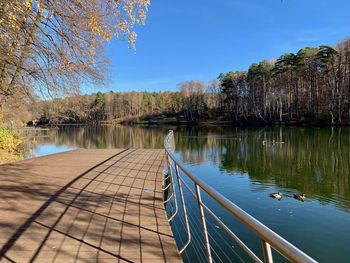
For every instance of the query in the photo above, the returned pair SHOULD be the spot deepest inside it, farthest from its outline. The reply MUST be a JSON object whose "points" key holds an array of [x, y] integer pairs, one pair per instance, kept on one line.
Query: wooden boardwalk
{"points": [[85, 206]]}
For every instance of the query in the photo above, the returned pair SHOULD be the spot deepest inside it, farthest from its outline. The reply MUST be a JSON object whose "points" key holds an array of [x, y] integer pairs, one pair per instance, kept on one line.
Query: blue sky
{"points": [[198, 39]]}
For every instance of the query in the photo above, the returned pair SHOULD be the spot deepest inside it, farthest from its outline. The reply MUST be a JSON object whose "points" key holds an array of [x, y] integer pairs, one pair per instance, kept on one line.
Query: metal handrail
{"points": [[268, 237]]}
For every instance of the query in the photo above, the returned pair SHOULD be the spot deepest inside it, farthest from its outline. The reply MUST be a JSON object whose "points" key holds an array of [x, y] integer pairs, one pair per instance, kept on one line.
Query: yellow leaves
{"points": [[40, 6], [13, 14], [97, 27], [12, 22], [108, 19], [28, 4], [122, 26], [93, 23], [142, 16], [132, 39], [9, 140], [107, 36], [131, 11]]}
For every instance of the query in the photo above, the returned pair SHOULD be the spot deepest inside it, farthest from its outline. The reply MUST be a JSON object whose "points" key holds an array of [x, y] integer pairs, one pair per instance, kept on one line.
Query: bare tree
{"points": [[51, 46]]}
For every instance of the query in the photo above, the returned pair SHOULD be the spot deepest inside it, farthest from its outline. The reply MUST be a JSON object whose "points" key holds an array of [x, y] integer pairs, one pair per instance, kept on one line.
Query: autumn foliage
{"points": [[51, 47]]}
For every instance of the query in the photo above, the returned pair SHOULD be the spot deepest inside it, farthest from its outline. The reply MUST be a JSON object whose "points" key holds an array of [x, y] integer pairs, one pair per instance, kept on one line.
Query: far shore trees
{"points": [[310, 86]]}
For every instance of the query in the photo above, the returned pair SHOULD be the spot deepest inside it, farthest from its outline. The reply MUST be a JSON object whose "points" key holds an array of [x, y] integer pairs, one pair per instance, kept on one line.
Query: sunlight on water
{"points": [[46, 149]]}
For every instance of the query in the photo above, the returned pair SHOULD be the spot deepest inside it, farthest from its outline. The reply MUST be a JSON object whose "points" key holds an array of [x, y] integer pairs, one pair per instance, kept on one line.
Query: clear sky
{"points": [[198, 39]]}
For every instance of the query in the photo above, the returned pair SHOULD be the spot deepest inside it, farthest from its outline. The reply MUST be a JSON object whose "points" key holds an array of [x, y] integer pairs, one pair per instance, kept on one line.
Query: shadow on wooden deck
{"points": [[53, 209]]}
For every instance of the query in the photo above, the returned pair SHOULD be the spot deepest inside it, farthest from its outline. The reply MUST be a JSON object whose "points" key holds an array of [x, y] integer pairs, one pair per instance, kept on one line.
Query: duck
{"points": [[300, 197], [277, 196]]}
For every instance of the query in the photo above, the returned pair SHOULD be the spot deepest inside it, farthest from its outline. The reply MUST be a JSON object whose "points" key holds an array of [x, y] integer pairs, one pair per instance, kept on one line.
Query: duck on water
{"points": [[278, 196], [300, 197]]}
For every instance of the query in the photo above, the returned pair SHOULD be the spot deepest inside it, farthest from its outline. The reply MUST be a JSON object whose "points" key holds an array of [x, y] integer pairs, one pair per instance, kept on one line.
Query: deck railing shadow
{"points": [[85, 218]]}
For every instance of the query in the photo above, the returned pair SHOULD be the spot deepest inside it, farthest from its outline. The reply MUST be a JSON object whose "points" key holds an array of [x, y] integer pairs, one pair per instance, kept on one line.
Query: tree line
{"points": [[109, 106], [189, 104], [312, 85]]}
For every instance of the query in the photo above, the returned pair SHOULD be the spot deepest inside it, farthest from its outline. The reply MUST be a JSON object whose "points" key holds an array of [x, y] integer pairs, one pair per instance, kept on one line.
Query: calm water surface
{"points": [[246, 165]]}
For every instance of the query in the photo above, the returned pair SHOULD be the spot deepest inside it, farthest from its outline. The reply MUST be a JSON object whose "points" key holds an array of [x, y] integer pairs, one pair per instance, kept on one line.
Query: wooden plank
{"points": [[86, 206]]}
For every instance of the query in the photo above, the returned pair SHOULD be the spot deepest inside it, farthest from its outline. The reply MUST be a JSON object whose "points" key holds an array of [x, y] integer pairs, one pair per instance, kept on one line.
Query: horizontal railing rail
{"points": [[269, 239]]}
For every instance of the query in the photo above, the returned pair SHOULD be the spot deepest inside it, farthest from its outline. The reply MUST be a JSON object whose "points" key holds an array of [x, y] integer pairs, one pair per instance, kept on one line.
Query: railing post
{"points": [[184, 210], [267, 252], [173, 187], [204, 224], [172, 140]]}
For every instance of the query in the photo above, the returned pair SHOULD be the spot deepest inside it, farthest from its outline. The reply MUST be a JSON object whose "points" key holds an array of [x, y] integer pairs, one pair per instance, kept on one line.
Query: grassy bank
{"points": [[10, 145]]}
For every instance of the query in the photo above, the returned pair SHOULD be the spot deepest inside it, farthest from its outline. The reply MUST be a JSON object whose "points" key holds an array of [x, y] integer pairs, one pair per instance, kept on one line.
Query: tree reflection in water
{"points": [[309, 160], [312, 161]]}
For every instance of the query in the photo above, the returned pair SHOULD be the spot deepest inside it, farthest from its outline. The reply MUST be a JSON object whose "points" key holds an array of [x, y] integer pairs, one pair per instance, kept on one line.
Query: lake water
{"points": [[246, 166]]}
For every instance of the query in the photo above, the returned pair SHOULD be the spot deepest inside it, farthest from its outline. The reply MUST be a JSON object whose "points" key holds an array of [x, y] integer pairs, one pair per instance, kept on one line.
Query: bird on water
{"points": [[300, 197], [277, 196]]}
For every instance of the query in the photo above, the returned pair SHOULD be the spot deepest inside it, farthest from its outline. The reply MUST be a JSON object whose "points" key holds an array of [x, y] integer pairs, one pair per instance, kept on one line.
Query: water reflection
{"points": [[311, 161], [106, 137]]}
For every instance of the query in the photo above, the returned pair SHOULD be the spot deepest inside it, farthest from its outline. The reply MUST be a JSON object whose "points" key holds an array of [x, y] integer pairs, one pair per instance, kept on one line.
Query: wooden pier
{"points": [[32, 131], [86, 206]]}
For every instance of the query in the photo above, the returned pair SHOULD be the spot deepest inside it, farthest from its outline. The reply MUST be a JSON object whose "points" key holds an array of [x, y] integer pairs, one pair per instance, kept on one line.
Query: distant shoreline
{"points": [[226, 123]]}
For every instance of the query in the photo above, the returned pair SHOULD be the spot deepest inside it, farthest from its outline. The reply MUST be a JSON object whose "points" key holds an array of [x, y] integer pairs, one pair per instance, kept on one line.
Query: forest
{"points": [[311, 86]]}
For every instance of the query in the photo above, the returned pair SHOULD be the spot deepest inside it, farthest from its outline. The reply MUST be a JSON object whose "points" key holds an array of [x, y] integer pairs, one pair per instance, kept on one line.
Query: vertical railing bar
{"points": [[165, 179], [166, 176], [267, 252], [204, 225], [225, 228], [243, 246], [174, 193], [183, 209]]}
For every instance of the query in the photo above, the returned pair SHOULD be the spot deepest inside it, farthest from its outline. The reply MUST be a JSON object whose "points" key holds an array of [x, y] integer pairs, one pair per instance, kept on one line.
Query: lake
{"points": [[246, 165]]}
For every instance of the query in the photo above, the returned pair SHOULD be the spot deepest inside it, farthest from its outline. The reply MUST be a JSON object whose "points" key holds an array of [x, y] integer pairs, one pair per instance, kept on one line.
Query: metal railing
{"points": [[269, 239]]}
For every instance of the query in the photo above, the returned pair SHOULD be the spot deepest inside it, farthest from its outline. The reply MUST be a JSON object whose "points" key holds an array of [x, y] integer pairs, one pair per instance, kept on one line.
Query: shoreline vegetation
{"points": [[308, 88], [222, 121], [164, 120], [11, 145]]}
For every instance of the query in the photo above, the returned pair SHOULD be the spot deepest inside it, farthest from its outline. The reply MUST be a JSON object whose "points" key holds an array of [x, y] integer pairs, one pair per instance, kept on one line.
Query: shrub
{"points": [[9, 140]]}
